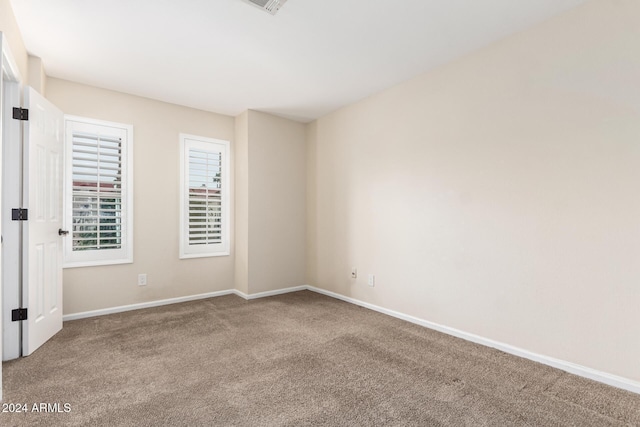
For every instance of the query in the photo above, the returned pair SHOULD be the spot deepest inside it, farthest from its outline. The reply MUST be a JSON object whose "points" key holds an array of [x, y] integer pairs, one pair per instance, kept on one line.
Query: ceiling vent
{"points": [[271, 6]]}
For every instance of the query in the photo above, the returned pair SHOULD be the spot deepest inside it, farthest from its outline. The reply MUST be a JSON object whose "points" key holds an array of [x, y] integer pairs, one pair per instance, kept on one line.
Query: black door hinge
{"points": [[20, 113], [19, 214], [18, 314]]}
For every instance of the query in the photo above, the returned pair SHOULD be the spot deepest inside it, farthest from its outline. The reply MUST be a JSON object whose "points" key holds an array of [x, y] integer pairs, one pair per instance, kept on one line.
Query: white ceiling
{"points": [[227, 56]]}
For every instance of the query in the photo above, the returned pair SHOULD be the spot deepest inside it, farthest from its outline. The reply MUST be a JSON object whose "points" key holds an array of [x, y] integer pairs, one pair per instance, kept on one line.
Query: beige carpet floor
{"points": [[300, 359]]}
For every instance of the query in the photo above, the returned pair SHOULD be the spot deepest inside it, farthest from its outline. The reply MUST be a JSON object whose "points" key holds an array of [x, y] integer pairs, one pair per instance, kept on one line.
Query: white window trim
{"points": [[187, 251], [100, 257]]}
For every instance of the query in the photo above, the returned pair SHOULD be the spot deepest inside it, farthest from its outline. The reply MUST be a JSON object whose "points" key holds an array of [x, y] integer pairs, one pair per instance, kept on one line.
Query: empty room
{"points": [[339, 212]]}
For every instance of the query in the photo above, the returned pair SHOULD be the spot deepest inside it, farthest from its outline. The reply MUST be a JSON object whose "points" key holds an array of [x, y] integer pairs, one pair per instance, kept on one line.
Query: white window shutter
{"points": [[98, 193], [204, 192]]}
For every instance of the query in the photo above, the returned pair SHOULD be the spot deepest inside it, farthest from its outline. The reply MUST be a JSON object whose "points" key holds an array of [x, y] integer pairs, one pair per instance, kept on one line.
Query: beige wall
{"points": [[270, 203], [498, 194], [10, 30], [156, 126], [241, 170], [312, 265], [37, 75], [277, 202]]}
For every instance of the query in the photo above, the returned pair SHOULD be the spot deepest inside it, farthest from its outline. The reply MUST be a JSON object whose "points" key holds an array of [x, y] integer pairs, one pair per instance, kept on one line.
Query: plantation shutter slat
{"points": [[97, 209], [204, 187]]}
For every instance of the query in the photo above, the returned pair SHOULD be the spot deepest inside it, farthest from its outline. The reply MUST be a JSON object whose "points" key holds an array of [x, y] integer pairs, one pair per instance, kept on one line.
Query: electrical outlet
{"points": [[372, 280], [354, 273], [142, 279]]}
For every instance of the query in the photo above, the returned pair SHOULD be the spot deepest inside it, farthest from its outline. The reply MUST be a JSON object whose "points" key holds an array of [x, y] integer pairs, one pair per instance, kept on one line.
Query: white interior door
{"points": [[42, 280]]}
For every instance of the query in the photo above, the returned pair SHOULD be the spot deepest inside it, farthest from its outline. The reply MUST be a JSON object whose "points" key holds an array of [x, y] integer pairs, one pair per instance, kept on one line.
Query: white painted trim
{"points": [[158, 303], [9, 66], [241, 294], [188, 142], [8, 62], [141, 305], [270, 293], [124, 255], [582, 371]]}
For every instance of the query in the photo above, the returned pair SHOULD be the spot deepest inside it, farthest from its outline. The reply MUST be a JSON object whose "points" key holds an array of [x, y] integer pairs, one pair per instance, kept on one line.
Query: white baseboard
{"points": [[582, 371], [157, 303], [270, 293]]}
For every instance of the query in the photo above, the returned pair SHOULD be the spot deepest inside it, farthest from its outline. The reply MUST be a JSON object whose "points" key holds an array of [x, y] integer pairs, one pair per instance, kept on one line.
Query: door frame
{"points": [[11, 172]]}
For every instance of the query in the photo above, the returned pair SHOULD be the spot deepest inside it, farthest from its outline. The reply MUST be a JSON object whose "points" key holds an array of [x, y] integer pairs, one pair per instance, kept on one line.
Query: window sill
{"points": [[206, 255], [79, 264]]}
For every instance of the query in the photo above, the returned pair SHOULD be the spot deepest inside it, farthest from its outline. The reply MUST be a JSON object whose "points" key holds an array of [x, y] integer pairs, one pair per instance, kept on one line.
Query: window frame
{"points": [[91, 258], [187, 251]]}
